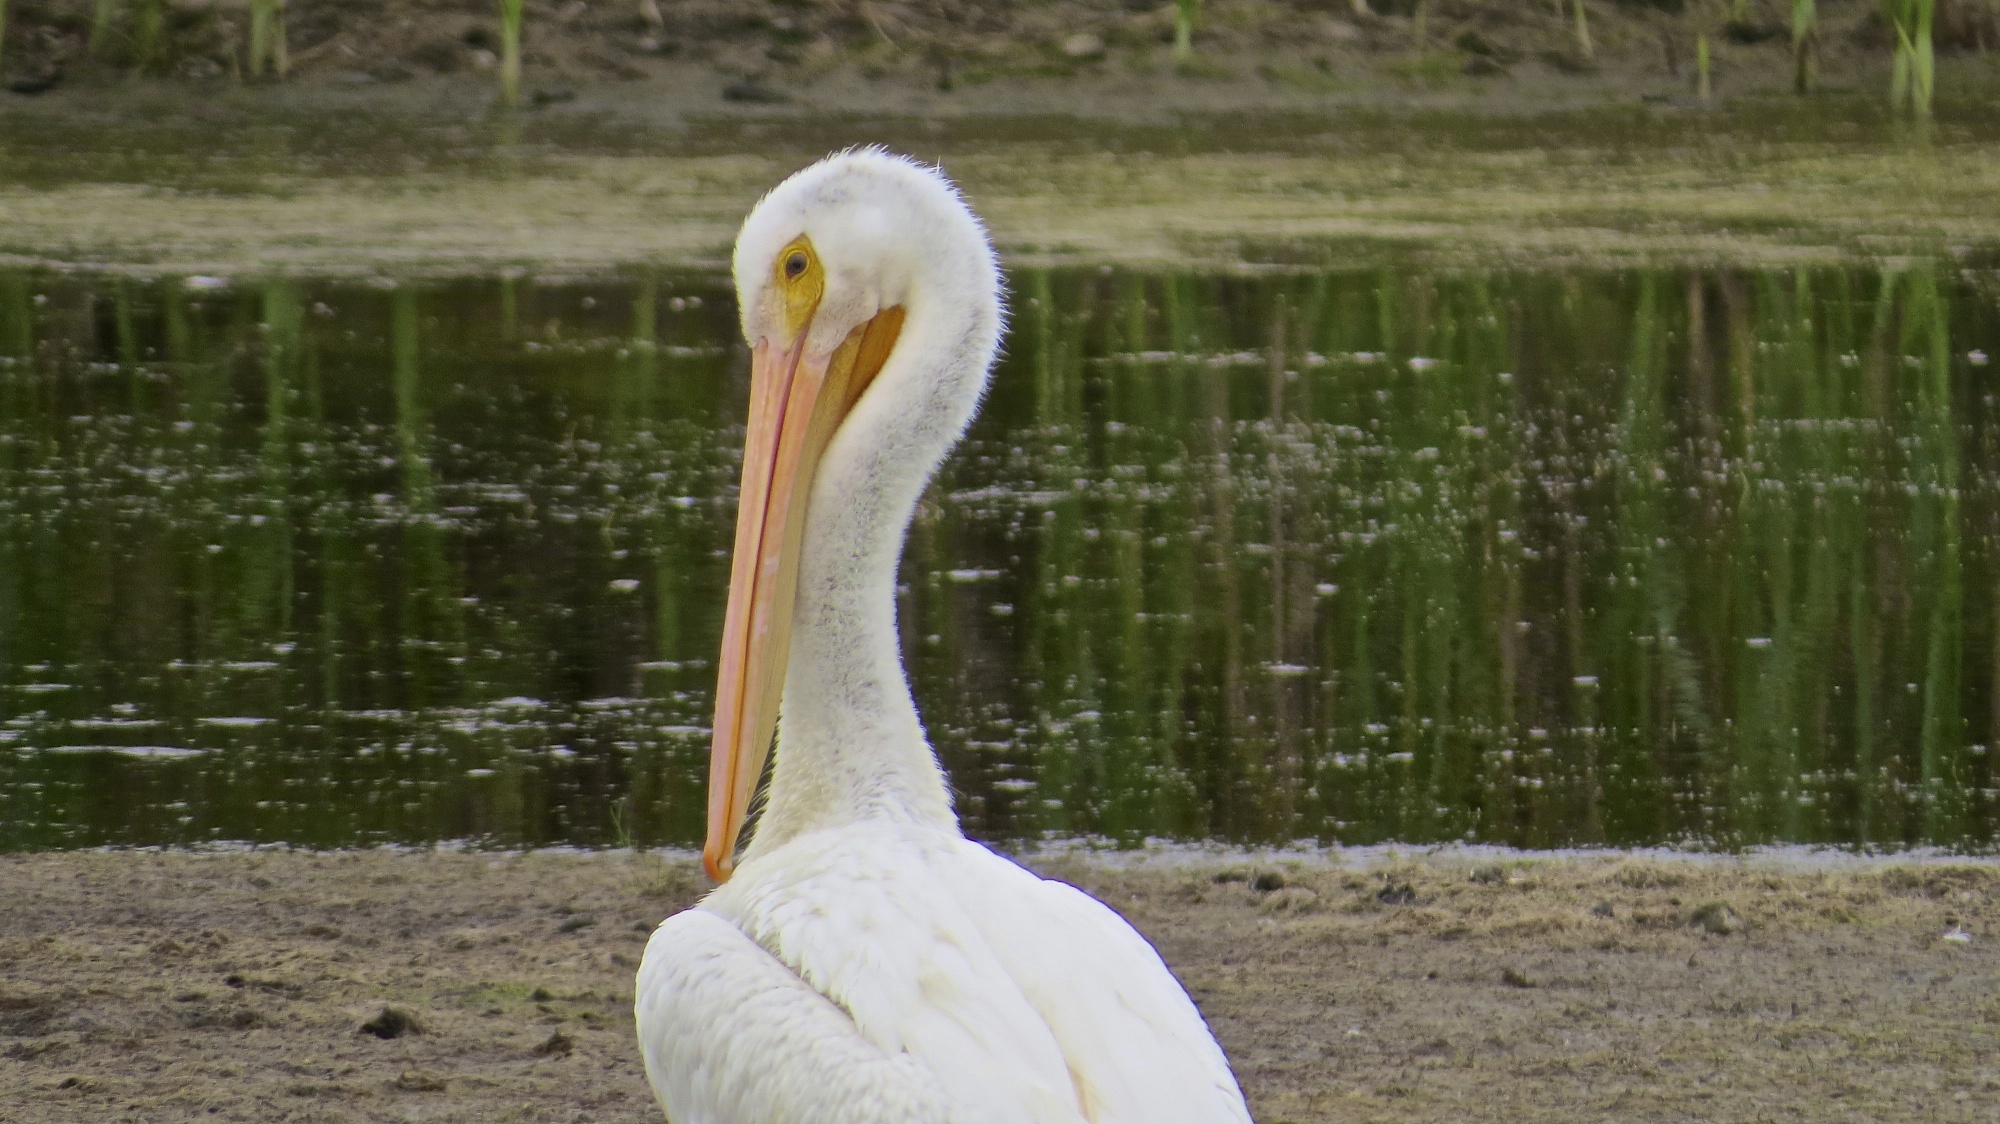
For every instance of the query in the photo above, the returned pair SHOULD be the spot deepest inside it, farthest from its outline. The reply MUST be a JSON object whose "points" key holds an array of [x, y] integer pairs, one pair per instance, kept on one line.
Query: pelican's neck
{"points": [[850, 746]]}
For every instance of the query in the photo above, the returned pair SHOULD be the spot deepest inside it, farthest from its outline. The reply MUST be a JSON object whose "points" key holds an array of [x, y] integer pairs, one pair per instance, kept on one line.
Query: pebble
{"points": [[1717, 918], [1083, 45], [393, 1022]]}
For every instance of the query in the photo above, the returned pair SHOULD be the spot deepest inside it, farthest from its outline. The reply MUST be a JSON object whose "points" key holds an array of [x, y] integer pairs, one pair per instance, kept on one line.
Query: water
{"points": [[1527, 558]]}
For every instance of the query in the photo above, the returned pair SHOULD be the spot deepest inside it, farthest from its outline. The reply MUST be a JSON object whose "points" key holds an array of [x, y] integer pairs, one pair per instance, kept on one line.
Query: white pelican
{"points": [[865, 963]]}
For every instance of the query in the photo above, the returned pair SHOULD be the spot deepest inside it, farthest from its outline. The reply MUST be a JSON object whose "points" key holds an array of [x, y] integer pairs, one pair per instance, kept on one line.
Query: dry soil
{"points": [[438, 986]]}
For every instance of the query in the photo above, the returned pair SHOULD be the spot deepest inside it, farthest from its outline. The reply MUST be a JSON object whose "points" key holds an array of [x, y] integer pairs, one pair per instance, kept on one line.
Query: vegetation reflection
{"points": [[1538, 559]]}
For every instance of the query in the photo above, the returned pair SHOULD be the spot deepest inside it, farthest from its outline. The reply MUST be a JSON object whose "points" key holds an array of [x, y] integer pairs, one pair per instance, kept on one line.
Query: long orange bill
{"points": [[797, 402]]}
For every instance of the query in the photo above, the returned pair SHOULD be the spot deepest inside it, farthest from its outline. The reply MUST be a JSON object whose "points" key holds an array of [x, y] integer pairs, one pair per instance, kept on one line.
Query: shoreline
{"points": [[173, 987], [1172, 856], [778, 57], [1427, 197]]}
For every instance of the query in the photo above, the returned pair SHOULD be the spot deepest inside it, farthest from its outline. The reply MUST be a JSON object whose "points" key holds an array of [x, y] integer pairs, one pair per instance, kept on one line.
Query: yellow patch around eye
{"points": [[800, 282]]}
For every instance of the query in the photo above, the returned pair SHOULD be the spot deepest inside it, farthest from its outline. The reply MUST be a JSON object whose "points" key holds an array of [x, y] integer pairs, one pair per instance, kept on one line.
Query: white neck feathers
{"points": [[850, 745]]}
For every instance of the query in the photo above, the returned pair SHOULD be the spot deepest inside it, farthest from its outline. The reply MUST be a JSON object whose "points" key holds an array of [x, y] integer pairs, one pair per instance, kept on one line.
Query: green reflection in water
{"points": [[1528, 558]]}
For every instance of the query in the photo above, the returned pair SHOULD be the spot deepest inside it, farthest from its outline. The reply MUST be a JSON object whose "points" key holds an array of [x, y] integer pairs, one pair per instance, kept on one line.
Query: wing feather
{"points": [[1137, 1047], [864, 919], [731, 1035], [896, 975]]}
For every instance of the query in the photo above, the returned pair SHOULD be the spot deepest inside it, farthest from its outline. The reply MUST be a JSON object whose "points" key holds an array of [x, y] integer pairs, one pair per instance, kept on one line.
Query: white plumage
{"points": [[865, 963]]}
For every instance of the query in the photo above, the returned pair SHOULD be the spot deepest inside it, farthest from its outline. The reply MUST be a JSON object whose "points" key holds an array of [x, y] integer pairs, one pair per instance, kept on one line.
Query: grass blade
{"points": [[102, 14], [1805, 43], [510, 51]]}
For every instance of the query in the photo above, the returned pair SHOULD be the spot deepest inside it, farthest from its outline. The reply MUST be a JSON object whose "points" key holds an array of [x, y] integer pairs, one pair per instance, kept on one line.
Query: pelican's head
{"points": [[870, 298]]}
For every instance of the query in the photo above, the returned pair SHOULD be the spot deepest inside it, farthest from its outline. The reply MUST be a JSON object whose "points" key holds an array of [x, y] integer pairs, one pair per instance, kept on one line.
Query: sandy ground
{"points": [[773, 51], [1575, 200], [253, 986], [1307, 134]]}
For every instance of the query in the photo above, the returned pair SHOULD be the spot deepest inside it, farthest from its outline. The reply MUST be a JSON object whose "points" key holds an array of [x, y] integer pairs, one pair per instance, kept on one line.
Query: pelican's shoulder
{"points": [[1135, 1043], [865, 851], [728, 1033], [865, 915]]}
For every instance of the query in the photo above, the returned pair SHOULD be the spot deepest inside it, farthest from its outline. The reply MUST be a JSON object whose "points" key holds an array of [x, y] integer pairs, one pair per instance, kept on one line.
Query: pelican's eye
{"points": [[800, 282]]}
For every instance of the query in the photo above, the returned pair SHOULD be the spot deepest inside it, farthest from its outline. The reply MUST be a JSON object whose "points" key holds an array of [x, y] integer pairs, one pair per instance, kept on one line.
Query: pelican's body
{"points": [[865, 963]]}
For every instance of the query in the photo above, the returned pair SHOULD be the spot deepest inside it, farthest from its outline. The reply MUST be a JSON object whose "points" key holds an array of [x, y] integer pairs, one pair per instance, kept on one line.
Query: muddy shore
{"points": [[379, 986], [252, 196], [1304, 134], [846, 53]]}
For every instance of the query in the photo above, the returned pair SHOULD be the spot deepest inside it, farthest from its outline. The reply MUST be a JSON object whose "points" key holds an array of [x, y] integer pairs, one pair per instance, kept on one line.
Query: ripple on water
{"points": [[1539, 557]]}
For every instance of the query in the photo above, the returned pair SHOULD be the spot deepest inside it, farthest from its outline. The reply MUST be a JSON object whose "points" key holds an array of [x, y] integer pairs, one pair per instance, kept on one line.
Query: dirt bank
{"points": [[1699, 201], [832, 54], [178, 987]]}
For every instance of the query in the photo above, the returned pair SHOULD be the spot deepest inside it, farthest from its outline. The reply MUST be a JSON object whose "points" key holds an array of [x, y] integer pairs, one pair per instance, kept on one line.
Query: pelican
{"points": [[863, 962]]}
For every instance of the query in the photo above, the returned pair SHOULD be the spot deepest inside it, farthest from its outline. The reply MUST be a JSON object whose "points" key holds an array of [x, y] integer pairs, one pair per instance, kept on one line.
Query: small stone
{"points": [[1083, 45], [1717, 918], [393, 1022], [1397, 894], [1957, 935], [752, 92]]}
